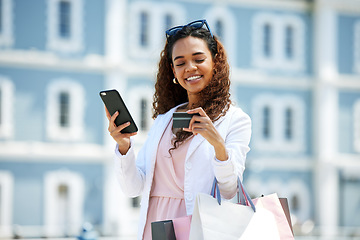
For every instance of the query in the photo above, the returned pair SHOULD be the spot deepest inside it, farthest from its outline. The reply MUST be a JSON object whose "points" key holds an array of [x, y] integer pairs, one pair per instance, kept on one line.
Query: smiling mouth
{"points": [[193, 78]]}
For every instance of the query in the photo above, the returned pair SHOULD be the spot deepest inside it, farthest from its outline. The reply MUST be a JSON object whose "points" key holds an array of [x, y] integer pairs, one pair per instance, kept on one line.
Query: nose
{"points": [[190, 67]]}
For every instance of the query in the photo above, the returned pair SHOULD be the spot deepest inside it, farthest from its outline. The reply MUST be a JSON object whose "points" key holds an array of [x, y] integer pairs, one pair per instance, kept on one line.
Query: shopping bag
{"points": [[214, 219], [285, 206], [163, 230], [178, 228], [182, 227], [272, 203]]}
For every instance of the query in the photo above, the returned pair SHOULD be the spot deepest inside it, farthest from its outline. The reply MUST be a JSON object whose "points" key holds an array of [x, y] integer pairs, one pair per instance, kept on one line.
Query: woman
{"points": [[176, 164]]}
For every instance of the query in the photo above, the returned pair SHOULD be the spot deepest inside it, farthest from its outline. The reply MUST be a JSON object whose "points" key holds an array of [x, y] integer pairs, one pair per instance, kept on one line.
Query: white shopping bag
{"points": [[214, 219]]}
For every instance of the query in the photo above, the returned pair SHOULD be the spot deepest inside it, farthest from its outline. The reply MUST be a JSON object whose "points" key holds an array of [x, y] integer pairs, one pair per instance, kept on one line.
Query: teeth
{"points": [[193, 78]]}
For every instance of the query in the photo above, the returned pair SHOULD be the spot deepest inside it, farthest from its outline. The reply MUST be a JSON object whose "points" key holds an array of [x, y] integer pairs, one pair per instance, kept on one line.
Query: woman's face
{"points": [[192, 64]]}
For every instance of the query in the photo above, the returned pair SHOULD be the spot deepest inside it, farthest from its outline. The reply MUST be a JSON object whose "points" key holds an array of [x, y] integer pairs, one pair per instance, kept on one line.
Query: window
{"points": [[357, 47], [63, 207], [144, 114], [1, 111], [6, 108], [219, 29], [289, 42], [266, 122], [141, 42], [1, 16], [278, 42], [65, 110], [140, 107], [298, 194], [288, 124], [147, 24], [295, 205], [296, 189], [169, 23], [278, 123], [144, 29], [6, 23], [223, 24], [65, 25], [267, 41], [356, 125], [171, 15], [6, 193], [64, 19], [64, 199], [64, 115]]}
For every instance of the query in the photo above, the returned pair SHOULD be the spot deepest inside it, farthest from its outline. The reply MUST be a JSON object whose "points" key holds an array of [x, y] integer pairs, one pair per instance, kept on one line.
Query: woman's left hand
{"points": [[204, 126]]}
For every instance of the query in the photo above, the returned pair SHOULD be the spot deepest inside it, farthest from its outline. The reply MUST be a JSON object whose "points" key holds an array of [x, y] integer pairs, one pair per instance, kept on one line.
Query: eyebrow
{"points": [[194, 54]]}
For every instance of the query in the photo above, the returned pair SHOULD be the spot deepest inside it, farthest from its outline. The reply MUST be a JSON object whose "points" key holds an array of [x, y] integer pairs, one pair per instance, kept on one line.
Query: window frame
{"points": [[135, 48], [76, 186], [297, 62], [157, 27], [278, 59], [223, 14], [144, 39], [6, 108], [260, 59], [177, 13], [277, 140], [292, 187], [357, 47], [136, 96], [75, 42], [6, 213], [74, 131], [6, 35], [356, 126]]}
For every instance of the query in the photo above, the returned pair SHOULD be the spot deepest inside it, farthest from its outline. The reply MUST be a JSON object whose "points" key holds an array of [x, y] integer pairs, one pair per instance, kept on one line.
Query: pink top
{"points": [[167, 192]]}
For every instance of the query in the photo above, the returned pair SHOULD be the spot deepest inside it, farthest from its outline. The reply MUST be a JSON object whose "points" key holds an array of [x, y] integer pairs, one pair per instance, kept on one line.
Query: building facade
{"points": [[295, 69]]}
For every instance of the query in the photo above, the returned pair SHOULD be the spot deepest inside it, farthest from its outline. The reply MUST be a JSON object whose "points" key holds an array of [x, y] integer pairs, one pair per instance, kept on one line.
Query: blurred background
{"points": [[295, 71]]}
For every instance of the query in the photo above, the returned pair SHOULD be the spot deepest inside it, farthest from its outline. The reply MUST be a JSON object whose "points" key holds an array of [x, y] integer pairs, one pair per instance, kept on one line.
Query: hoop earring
{"points": [[174, 81]]}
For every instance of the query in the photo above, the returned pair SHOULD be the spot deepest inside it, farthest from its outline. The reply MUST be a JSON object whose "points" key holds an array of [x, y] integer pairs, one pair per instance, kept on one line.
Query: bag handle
{"points": [[242, 196]]}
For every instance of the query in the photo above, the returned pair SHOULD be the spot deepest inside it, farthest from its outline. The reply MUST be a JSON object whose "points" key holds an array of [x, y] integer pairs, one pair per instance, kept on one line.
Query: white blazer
{"points": [[135, 174]]}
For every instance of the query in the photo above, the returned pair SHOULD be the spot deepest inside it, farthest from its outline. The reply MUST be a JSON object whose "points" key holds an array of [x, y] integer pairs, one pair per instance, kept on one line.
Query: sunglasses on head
{"points": [[195, 24]]}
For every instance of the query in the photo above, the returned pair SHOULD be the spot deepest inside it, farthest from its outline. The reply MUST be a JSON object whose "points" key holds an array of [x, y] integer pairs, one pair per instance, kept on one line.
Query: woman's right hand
{"points": [[122, 139]]}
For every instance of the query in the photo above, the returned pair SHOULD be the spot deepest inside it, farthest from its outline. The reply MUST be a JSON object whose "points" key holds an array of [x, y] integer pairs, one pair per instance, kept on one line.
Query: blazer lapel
{"points": [[195, 143], [198, 139]]}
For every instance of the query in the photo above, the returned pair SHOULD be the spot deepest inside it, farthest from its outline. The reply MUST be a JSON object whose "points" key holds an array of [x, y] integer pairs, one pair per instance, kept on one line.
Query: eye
{"points": [[179, 64], [199, 60]]}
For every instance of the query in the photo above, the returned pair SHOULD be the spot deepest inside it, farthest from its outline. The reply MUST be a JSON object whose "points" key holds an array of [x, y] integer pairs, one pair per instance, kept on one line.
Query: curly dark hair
{"points": [[214, 99]]}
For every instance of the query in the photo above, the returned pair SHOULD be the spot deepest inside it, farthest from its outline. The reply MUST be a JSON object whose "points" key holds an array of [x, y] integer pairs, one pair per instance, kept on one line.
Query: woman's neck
{"points": [[193, 100]]}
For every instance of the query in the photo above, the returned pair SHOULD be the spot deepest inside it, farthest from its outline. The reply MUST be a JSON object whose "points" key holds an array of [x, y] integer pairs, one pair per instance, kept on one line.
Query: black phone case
{"points": [[113, 103], [182, 119]]}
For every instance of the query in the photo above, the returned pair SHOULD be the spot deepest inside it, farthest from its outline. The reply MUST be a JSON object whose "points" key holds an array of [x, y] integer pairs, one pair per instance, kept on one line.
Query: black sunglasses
{"points": [[195, 24]]}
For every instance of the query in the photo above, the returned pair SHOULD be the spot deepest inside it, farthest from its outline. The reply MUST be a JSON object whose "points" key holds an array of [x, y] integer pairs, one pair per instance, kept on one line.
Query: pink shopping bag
{"points": [[272, 203]]}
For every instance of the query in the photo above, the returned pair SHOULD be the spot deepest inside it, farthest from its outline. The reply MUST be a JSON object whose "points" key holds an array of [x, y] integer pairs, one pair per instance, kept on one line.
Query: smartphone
{"points": [[113, 103], [182, 119]]}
